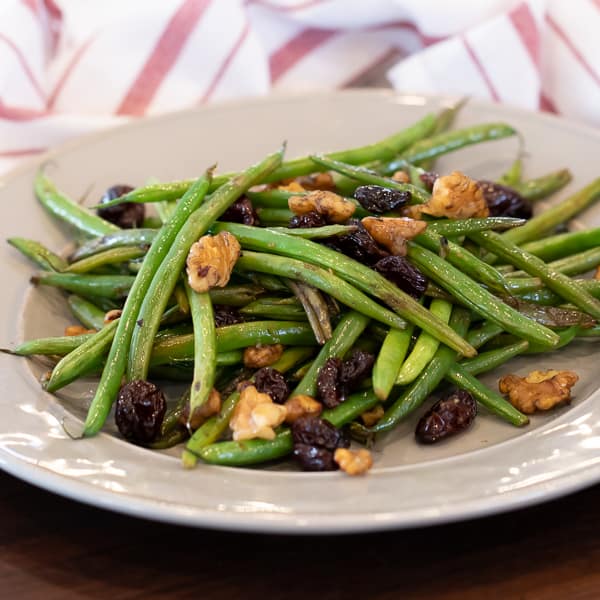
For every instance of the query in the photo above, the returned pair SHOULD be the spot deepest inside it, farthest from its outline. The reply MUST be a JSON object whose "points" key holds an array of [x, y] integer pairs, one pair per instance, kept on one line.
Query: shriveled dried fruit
{"points": [[72, 330], [111, 315], [329, 389], [271, 381], [404, 274], [540, 390], [127, 215], [226, 315], [428, 178], [314, 458], [241, 211], [209, 408], [140, 410], [262, 355], [309, 219], [455, 196], [392, 233], [355, 368], [302, 406], [315, 441], [450, 415], [358, 245], [503, 201], [378, 199], [211, 260], [256, 416], [333, 207], [353, 462]]}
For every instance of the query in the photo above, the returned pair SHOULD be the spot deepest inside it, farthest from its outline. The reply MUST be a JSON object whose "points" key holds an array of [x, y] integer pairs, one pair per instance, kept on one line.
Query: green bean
{"points": [[282, 309], [531, 289], [255, 451], [443, 143], [425, 347], [67, 211], [557, 282], [236, 295], [427, 381], [566, 337], [483, 334], [49, 346], [477, 298], [355, 273], [514, 175], [490, 399], [576, 264], [389, 360], [116, 362], [460, 227], [82, 359], [545, 222], [487, 361], [104, 286], [322, 280], [86, 312], [274, 216], [461, 258], [234, 337], [317, 233], [542, 187], [108, 257], [167, 273], [563, 244], [271, 198], [205, 348], [38, 253], [315, 309], [347, 331], [366, 176], [118, 239]]}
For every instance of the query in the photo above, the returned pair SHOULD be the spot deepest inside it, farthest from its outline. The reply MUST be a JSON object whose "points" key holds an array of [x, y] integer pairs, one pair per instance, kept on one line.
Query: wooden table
{"points": [[55, 548]]}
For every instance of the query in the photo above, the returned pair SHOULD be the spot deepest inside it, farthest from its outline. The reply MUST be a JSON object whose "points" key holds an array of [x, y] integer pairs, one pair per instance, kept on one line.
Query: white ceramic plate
{"points": [[494, 467]]}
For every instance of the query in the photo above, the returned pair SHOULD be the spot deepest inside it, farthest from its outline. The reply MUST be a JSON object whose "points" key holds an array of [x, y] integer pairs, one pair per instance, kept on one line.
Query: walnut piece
{"points": [[256, 416], [262, 355], [71, 330], [211, 260], [329, 204], [353, 462], [392, 232], [540, 390], [401, 177], [302, 406], [111, 315], [292, 186], [211, 407], [317, 181], [370, 417], [455, 196]]}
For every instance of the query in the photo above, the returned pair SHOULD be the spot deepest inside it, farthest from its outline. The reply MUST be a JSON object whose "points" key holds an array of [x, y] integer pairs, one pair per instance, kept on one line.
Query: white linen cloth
{"points": [[72, 66]]}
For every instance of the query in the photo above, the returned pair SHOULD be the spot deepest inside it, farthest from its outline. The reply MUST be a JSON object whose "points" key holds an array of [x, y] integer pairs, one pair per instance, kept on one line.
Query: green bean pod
{"points": [[487, 361], [458, 227], [389, 360], [542, 187], [86, 312], [564, 244], [118, 239], [107, 257], [104, 286], [39, 254]]}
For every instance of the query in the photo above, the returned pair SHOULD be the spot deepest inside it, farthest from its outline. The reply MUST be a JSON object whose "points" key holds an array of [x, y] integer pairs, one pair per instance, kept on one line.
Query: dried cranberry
{"points": [[329, 388], [504, 201], [127, 215], [241, 211], [314, 458], [449, 416], [378, 199], [226, 315], [271, 381], [315, 441], [404, 274], [309, 219], [358, 245], [428, 178], [355, 369], [140, 411]]}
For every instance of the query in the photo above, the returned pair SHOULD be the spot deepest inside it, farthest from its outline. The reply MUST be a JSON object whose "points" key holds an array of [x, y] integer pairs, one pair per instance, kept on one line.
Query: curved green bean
{"points": [[103, 286], [38, 253], [389, 360], [117, 239], [107, 257]]}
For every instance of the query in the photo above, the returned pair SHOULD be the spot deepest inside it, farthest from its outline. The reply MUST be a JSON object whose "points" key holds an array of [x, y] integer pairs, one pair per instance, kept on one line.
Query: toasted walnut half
{"points": [[211, 407], [302, 406], [256, 416], [211, 260], [353, 462], [262, 355], [111, 315], [370, 417], [292, 186], [332, 206], [540, 390], [72, 330], [392, 233], [401, 177], [455, 196]]}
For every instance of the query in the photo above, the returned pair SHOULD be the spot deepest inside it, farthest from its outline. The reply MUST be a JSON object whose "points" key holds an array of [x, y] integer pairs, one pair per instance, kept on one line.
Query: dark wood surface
{"points": [[51, 548]]}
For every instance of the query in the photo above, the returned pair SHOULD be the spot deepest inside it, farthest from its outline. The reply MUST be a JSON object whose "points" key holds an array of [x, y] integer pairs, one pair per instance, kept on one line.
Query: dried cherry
{"points": [[315, 441], [309, 219], [504, 201], [358, 245], [226, 315], [329, 388], [355, 368], [404, 274], [128, 215], [140, 411], [241, 211], [378, 199], [271, 381]]}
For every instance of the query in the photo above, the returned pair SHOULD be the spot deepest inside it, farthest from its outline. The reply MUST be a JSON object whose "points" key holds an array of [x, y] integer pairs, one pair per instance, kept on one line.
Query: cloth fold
{"points": [[68, 67]]}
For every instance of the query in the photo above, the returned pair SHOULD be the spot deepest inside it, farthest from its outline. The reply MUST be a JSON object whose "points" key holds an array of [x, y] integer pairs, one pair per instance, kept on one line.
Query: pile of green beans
{"points": [[291, 288]]}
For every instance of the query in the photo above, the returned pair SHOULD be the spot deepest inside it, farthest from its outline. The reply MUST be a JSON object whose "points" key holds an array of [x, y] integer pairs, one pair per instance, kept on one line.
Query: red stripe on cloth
{"points": [[574, 51], [26, 68], [526, 28], [22, 152], [547, 105], [388, 55], [163, 57], [482, 71], [33, 6], [17, 113], [295, 7], [225, 64], [294, 50], [60, 84], [426, 40]]}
